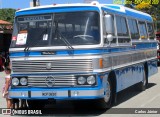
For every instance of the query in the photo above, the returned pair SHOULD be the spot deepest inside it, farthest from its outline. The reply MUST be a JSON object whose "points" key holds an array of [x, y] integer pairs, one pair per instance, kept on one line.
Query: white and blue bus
{"points": [[80, 51]]}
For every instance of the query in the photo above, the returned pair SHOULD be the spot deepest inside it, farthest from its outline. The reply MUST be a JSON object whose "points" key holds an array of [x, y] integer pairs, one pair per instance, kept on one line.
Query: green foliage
{"points": [[145, 7], [152, 2], [7, 14]]}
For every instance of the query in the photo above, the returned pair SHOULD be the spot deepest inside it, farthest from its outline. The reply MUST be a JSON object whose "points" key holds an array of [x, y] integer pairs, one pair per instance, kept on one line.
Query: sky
{"points": [[20, 4]]}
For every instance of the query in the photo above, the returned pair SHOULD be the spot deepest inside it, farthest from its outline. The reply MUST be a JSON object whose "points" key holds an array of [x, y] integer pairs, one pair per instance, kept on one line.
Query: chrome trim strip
{"points": [[124, 65], [117, 60], [57, 57]]}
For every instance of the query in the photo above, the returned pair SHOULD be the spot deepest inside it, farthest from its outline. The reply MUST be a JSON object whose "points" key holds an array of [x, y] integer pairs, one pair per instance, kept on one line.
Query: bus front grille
{"points": [[53, 81], [52, 66]]}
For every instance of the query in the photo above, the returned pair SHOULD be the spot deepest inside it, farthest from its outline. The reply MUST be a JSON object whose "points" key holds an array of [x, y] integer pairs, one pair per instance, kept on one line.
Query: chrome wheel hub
{"points": [[108, 93]]}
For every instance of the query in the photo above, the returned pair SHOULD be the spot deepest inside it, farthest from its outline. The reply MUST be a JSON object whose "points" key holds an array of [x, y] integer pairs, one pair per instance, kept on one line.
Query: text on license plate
{"points": [[49, 93]]}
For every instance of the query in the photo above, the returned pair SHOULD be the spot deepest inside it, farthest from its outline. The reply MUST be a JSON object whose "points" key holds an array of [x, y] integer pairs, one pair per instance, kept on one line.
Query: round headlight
{"points": [[81, 80], [15, 81], [23, 81], [91, 80]]}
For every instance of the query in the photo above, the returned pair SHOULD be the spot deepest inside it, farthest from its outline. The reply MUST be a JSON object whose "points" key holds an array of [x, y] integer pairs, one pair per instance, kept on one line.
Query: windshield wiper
{"points": [[63, 38], [69, 46]]}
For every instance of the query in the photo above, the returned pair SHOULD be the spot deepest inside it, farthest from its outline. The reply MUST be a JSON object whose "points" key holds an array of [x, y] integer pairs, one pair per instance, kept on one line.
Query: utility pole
{"points": [[1, 4], [36, 3]]}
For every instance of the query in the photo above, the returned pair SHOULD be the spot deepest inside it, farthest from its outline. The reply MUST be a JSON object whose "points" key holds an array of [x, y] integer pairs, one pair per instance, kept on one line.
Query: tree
{"points": [[7, 14], [145, 7], [136, 2]]}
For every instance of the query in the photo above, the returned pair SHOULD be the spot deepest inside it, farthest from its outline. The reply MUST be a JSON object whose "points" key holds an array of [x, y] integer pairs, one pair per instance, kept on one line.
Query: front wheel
{"points": [[106, 102]]}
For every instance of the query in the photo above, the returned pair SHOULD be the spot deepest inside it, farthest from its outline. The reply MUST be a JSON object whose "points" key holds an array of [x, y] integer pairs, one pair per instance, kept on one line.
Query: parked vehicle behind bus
{"points": [[80, 51], [158, 46], [5, 40]]}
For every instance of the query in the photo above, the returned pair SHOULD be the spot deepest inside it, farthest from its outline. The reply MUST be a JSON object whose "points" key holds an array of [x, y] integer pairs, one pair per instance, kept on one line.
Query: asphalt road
{"points": [[130, 103]]}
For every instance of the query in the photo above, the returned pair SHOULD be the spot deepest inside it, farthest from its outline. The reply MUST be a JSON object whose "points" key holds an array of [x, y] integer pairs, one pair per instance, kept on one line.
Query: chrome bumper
{"points": [[58, 94]]}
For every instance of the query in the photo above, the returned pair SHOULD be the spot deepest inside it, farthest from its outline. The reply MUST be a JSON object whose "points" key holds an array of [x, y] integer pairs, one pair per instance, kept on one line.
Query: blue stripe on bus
{"points": [[56, 88], [66, 52], [139, 16], [53, 89], [89, 51], [146, 45], [56, 10], [128, 13], [60, 52]]}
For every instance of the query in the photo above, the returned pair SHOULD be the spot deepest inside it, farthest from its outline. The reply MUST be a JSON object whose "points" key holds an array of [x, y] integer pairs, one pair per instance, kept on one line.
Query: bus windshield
{"points": [[77, 28]]}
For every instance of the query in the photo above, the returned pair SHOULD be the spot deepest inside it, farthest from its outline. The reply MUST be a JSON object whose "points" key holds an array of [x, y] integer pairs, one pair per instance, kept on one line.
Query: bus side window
{"points": [[150, 30], [122, 30], [133, 27], [143, 30]]}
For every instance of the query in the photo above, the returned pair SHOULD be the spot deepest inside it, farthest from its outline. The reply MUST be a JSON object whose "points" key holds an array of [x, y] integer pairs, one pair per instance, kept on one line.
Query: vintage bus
{"points": [[80, 51]]}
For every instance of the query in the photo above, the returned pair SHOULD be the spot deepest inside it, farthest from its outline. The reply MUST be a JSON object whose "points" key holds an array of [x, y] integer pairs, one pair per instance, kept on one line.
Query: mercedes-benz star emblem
{"points": [[50, 81], [48, 66]]}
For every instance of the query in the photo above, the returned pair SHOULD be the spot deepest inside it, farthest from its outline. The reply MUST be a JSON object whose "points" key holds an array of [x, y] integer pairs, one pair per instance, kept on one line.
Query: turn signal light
{"points": [[14, 38], [100, 63]]}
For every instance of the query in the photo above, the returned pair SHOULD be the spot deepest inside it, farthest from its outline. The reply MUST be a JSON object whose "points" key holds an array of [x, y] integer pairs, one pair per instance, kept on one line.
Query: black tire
{"points": [[106, 102], [36, 104], [143, 84]]}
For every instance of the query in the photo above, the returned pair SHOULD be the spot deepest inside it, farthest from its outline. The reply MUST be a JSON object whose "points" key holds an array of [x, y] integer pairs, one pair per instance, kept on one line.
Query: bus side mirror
{"points": [[110, 37], [109, 26]]}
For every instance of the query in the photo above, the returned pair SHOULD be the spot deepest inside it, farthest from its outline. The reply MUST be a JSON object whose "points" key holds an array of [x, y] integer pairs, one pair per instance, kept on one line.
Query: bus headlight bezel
{"points": [[15, 81], [86, 80], [91, 80], [81, 80], [23, 81]]}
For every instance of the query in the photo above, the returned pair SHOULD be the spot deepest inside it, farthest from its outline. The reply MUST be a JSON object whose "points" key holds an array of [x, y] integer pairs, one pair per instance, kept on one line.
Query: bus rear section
{"points": [[79, 52]]}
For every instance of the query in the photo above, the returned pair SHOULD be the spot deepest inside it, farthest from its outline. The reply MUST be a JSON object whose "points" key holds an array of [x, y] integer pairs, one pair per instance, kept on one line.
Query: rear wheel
{"points": [[143, 84]]}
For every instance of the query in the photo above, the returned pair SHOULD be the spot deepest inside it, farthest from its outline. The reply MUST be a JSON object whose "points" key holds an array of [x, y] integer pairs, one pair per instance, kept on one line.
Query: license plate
{"points": [[49, 93]]}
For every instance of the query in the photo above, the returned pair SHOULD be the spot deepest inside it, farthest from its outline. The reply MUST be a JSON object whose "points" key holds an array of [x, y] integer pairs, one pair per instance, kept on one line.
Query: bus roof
{"points": [[122, 10], [111, 8]]}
